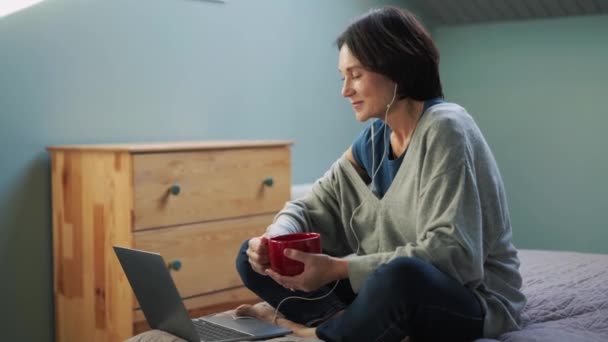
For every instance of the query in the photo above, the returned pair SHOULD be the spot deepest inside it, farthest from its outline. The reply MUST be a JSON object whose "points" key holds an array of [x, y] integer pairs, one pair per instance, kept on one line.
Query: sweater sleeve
{"points": [[319, 211], [449, 235]]}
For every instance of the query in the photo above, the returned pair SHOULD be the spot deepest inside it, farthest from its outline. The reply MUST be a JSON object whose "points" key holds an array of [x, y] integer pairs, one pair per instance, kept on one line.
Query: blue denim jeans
{"points": [[405, 297]]}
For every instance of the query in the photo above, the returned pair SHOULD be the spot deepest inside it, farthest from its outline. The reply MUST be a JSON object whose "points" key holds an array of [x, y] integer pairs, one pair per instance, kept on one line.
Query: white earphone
{"points": [[388, 107], [374, 169], [350, 223]]}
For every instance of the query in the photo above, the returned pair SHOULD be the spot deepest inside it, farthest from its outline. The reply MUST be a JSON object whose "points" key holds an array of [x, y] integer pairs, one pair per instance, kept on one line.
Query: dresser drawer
{"points": [[187, 187], [206, 251]]}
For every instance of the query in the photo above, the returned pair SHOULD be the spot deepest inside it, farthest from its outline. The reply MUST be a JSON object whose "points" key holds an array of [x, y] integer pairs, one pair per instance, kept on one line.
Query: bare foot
{"points": [[263, 311]]}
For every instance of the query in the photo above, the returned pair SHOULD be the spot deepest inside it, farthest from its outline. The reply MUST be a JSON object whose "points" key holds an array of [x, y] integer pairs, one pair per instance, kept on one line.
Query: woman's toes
{"points": [[245, 310]]}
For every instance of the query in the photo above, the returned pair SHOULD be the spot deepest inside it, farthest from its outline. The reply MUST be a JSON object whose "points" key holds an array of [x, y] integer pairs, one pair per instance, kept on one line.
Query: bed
{"points": [[567, 300], [567, 297]]}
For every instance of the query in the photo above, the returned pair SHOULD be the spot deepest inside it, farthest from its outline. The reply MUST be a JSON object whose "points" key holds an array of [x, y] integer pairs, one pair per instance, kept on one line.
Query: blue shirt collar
{"points": [[431, 102]]}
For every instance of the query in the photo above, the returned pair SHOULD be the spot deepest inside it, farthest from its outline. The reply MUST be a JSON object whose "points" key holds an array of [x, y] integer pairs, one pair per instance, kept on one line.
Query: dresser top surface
{"points": [[172, 146]]}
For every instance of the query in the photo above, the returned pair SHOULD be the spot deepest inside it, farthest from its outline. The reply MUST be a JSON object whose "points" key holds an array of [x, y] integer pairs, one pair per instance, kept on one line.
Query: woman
{"points": [[414, 219]]}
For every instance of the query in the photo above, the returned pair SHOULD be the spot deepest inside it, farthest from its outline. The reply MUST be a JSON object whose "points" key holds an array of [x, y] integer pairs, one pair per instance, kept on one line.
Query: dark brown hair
{"points": [[392, 42]]}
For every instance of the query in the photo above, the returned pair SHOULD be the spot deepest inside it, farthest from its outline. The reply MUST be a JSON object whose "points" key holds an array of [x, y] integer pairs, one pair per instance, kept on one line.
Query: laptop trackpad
{"points": [[248, 325]]}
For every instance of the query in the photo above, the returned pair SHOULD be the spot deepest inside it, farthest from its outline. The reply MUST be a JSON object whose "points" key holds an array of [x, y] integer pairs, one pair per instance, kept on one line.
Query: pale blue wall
{"points": [[538, 91], [140, 70], [90, 71]]}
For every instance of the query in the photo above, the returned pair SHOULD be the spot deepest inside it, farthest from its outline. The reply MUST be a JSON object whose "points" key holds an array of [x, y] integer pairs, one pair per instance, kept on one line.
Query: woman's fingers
{"points": [[257, 253], [256, 257], [278, 278], [291, 283]]}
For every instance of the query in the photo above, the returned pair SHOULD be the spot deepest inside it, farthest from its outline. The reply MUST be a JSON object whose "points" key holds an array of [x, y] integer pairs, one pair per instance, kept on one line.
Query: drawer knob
{"points": [[175, 265], [268, 181], [175, 189]]}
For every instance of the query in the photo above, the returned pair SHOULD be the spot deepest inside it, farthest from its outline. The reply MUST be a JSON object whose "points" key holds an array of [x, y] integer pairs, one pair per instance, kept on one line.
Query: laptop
{"points": [[164, 310]]}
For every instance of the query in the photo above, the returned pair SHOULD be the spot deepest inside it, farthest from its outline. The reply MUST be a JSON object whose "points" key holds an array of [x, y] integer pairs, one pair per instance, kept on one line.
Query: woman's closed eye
{"points": [[353, 77]]}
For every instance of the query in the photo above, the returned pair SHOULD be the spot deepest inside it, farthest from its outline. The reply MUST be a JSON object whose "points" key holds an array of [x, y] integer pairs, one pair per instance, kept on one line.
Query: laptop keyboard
{"points": [[208, 331]]}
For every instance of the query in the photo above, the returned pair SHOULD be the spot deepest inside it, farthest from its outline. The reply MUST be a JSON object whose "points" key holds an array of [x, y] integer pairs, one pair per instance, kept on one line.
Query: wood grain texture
{"points": [[152, 147], [207, 251], [94, 193], [214, 185], [89, 285]]}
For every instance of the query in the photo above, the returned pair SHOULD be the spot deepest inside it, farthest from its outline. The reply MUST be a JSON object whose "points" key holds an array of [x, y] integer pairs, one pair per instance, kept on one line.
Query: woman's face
{"points": [[368, 92]]}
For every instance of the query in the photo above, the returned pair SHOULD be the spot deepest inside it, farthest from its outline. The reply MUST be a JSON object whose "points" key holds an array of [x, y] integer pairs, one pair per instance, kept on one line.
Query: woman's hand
{"points": [[319, 269], [258, 254]]}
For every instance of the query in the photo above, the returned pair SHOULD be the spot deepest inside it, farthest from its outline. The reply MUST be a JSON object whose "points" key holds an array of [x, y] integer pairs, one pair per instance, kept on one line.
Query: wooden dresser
{"points": [[193, 202]]}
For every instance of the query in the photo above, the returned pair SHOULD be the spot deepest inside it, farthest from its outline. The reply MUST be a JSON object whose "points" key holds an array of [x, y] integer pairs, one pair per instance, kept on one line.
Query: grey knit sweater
{"points": [[446, 205]]}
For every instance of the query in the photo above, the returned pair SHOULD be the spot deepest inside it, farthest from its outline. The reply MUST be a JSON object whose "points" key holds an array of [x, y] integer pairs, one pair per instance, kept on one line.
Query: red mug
{"points": [[306, 242]]}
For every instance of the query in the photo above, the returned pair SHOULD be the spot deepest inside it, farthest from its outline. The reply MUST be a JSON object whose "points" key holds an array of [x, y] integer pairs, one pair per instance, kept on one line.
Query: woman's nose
{"points": [[347, 90]]}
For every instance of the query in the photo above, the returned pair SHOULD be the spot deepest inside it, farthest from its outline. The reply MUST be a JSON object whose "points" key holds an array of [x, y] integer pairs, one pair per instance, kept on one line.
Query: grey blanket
{"points": [[567, 297], [567, 300]]}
